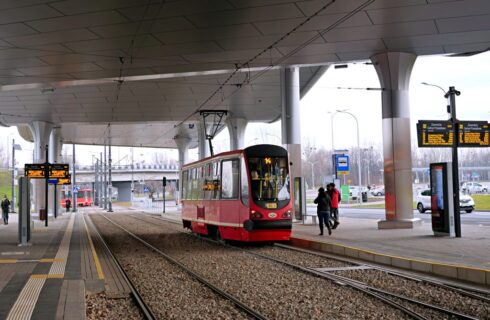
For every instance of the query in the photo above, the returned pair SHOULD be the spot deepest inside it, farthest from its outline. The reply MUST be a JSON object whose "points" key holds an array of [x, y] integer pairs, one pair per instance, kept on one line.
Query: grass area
{"points": [[6, 183], [482, 201]]}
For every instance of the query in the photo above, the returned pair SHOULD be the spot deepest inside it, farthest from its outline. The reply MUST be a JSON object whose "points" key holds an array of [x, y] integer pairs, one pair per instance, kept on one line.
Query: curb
{"points": [[454, 271]]}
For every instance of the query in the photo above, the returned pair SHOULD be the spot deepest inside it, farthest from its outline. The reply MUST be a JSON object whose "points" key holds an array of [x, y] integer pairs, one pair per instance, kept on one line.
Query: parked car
{"points": [[473, 187], [354, 191], [378, 191], [466, 202]]}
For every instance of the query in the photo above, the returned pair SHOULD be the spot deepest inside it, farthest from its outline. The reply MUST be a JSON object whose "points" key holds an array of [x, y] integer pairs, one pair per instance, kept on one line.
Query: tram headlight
{"points": [[255, 215], [287, 214]]}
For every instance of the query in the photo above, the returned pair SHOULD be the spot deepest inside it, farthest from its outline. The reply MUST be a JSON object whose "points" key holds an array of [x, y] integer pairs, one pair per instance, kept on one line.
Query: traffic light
{"points": [[164, 181]]}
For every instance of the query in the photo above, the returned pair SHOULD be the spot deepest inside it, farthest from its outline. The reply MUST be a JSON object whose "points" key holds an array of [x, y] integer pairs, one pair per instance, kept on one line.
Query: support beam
{"points": [[182, 143], [394, 70], [291, 124], [55, 147], [236, 129], [202, 142], [40, 131]]}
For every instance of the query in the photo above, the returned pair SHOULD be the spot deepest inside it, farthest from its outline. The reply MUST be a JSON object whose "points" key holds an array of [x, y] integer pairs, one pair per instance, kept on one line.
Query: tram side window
{"points": [[194, 184], [230, 174], [244, 180], [216, 180]]}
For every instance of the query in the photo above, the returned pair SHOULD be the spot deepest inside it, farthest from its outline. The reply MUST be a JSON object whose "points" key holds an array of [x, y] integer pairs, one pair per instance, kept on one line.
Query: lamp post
{"points": [[359, 154], [14, 147]]}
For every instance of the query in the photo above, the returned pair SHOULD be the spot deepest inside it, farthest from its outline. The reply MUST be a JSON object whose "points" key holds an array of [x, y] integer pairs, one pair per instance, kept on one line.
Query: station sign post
{"points": [[164, 184], [440, 134], [52, 173]]}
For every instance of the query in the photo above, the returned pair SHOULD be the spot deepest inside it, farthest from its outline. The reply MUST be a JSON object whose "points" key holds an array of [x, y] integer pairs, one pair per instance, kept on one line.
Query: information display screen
{"points": [[58, 170], [474, 134], [438, 198], [62, 181], [435, 134], [35, 170]]}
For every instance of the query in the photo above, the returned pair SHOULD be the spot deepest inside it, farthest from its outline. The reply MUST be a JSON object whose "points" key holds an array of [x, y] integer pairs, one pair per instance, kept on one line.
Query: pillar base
{"points": [[399, 224]]}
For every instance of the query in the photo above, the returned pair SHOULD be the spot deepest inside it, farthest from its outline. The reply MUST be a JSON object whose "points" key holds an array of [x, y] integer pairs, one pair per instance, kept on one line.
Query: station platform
{"points": [[53, 276]]}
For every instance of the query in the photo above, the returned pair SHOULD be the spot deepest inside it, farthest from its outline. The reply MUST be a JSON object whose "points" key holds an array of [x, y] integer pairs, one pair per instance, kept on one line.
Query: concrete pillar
{"points": [[182, 143], [394, 70], [291, 124], [236, 129], [55, 148], [203, 144], [40, 132]]}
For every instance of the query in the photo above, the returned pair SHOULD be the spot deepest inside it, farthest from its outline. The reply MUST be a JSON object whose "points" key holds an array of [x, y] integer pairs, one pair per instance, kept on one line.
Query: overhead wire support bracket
{"points": [[214, 125]]}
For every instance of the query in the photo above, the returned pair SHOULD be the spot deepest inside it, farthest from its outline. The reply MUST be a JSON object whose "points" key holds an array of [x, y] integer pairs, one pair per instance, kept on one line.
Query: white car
{"points": [[473, 187], [466, 202], [378, 191], [354, 191]]}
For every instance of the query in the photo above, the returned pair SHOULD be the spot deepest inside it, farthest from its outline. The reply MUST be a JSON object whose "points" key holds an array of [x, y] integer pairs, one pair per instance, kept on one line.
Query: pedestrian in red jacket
{"points": [[335, 198]]}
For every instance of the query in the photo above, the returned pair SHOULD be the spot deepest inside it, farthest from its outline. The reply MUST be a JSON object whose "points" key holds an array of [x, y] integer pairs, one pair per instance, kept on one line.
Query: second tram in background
{"points": [[84, 198], [241, 195]]}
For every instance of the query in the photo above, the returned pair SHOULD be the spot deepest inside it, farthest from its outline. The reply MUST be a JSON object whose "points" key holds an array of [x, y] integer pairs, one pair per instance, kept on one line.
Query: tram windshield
{"points": [[269, 181]]}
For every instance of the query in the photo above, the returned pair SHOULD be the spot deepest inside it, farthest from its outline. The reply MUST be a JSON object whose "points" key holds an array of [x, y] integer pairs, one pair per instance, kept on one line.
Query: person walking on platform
{"points": [[5, 209], [323, 210], [335, 199], [68, 205]]}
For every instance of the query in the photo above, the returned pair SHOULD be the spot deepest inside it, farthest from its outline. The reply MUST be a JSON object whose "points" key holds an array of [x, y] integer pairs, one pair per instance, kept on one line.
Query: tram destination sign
{"points": [[435, 133], [474, 134]]}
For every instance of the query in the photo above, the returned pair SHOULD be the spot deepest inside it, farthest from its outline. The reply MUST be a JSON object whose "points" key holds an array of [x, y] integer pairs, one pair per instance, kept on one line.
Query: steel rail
{"points": [[464, 290], [333, 278], [250, 311], [361, 285], [148, 313]]}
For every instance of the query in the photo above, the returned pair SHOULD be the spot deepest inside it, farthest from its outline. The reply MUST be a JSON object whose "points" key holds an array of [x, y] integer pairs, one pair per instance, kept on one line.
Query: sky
{"points": [[470, 75]]}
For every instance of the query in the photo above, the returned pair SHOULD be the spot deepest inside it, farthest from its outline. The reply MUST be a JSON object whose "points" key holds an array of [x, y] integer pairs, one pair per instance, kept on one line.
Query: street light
{"points": [[14, 147], [359, 153]]}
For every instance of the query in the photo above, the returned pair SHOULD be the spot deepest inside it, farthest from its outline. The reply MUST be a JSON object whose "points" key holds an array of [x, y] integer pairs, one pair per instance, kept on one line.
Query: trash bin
{"points": [[42, 214], [364, 196]]}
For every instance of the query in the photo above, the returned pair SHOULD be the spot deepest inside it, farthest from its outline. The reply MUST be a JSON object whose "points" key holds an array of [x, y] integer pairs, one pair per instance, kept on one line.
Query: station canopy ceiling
{"points": [[147, 67]]}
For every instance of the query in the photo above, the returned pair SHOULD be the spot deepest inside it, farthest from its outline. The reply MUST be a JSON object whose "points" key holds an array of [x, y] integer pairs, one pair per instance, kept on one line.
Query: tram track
{"points": [[394, 299], [252, 313]]}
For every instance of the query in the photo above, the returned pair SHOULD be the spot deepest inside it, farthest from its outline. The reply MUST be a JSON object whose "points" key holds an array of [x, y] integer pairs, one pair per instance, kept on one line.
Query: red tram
{"points": [[84, 198], [241, 195]]}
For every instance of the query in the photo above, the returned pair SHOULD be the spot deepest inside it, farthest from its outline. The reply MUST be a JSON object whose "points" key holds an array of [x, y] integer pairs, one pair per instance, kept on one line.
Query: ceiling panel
{"points": [[96, 62]]}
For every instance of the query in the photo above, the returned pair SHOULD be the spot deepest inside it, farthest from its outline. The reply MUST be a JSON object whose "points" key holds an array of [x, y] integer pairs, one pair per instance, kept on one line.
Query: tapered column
{"points": [[55, 147], [202, 142], [291, 124], [236, 129], [40, 131], [394, 70], [182, 143]]}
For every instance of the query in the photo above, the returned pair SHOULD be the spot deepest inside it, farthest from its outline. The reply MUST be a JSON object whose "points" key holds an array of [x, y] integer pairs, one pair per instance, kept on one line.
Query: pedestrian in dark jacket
{"points": [[5, 209], [68, 205], [323, 210]]}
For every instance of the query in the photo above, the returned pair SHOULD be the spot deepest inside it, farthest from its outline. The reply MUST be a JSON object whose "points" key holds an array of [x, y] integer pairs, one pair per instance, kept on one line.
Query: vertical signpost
{"points": [[164, 183], [453, 134], [51, 173]]}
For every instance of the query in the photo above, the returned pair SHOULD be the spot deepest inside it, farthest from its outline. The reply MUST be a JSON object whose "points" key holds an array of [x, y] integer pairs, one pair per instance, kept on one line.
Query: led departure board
{"points": [[435, 134], [473, 134], [35, 170], [62, 181], [58, 170], [55, 170]]}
